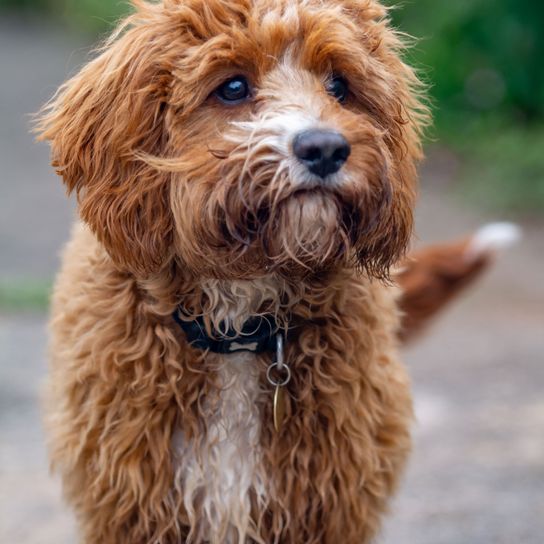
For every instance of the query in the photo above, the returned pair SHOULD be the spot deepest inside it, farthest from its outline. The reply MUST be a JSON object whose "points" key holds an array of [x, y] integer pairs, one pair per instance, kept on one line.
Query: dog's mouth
{"points": [[309, 227], [304, 211], [314, 195], [297, 231], [320, 199], [312, 192]]}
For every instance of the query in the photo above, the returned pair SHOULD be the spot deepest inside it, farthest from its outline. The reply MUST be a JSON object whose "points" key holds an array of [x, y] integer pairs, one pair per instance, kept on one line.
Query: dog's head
{"points": [[243, 137]]}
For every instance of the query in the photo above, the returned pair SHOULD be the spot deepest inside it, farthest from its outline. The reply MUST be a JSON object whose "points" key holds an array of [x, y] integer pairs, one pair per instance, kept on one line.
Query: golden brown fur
{"points": [[189, 202]]}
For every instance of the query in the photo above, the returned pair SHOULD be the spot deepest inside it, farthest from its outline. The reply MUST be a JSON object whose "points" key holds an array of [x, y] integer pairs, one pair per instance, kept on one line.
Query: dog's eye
{"points": [[338, 87], [234, 90]]}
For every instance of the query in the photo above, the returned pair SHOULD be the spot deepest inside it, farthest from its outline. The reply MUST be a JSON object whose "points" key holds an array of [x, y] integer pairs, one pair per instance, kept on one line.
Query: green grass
{"points": [[28, 295], [502, 163]]}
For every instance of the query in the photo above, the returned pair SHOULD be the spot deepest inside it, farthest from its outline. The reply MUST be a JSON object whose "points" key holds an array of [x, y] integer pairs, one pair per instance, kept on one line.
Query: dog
{"points": [[225, 327]]}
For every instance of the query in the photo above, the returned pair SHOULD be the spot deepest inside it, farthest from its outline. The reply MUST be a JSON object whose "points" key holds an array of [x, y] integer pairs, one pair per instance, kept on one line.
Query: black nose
{"points": [[323, 152]]}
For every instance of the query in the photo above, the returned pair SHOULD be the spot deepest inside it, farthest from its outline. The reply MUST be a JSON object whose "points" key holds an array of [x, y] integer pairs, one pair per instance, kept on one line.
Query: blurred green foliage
{"points": [[91, 16], [480, 55], [483, 60], [503, 165], [24, 295]]}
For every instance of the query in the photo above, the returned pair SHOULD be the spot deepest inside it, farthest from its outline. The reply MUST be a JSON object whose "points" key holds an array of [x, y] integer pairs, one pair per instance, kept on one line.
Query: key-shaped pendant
{"points": [[279, 375], [280, 407]]}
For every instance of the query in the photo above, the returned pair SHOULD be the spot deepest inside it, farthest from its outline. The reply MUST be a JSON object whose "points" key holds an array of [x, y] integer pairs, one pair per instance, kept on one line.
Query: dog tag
{"points": [[279, 375], [279, 407]]}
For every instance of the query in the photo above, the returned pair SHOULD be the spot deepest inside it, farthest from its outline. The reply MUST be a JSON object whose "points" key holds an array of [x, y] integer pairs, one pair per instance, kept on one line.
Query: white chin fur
{"points": [[494, 237]]}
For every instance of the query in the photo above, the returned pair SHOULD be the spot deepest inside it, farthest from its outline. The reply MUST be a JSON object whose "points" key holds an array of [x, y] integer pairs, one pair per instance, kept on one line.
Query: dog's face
{"points": [[245, 137]]}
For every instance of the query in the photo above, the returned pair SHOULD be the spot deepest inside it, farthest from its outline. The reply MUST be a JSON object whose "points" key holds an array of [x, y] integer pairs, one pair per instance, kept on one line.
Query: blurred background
{"points": [[477, 473]]}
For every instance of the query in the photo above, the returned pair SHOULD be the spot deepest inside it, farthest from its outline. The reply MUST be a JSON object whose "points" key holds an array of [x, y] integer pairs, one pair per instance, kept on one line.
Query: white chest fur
{"points": [[219, 472]]}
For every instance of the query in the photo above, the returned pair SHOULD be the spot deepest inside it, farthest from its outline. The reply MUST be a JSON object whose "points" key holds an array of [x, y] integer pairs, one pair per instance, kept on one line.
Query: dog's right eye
{"points": [[234, 90]]}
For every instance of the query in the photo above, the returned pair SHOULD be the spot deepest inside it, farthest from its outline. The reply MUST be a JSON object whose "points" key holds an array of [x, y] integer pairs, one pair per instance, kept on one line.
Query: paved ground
{"points": [[477, 474]]}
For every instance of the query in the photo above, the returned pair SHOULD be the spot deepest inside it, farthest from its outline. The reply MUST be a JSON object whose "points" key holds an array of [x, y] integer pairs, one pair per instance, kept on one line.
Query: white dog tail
{"points": [[493, 238]]}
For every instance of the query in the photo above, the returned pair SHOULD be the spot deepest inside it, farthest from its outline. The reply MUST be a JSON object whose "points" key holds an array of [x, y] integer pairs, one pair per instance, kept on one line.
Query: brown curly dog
{"points": [[245, 172]]}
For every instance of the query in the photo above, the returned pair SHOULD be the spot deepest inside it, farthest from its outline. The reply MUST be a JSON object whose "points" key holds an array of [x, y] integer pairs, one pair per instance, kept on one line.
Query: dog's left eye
{"points": [[338, 87], [234, 90]]}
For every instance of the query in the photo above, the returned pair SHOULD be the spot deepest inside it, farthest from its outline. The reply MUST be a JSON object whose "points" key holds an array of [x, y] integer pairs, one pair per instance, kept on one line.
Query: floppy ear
{"points": [[99, 123], [397, 100]]}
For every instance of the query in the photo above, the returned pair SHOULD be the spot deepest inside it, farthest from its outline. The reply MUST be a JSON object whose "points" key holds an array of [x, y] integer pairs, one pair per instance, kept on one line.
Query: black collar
{"points": [[258, 334]]}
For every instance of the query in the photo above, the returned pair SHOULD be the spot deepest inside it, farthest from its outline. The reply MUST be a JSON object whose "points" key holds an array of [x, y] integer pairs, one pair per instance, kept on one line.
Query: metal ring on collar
{"points": [[277, 383]]}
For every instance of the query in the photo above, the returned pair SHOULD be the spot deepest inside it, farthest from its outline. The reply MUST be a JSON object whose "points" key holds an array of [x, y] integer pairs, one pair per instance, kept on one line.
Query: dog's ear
{"points": [[396, 98], [99, 123]]}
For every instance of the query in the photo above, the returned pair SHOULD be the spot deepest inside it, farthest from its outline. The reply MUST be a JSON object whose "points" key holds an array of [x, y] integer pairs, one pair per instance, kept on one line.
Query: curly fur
{"points": [[187, 201]]}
